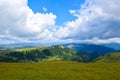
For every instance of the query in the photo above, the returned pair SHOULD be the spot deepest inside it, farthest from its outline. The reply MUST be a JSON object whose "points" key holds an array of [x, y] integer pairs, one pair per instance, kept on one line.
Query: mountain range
{"points": [[115, 46], [80, 52], [90, 48]]}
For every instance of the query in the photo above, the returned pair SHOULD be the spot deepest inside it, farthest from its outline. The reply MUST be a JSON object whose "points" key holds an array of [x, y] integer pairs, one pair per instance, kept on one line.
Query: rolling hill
{"points": [[92, 50], [109, 58], [67, 52], [43, 53]]}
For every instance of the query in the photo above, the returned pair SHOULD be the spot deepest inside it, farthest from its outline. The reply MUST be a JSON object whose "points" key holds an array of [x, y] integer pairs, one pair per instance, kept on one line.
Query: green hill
{"points": [[43, 54], [111, 57], [53, 53]]}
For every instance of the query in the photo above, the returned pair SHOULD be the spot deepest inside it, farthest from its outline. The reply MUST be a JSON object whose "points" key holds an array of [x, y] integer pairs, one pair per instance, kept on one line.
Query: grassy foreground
{"points": [[59, 70]]}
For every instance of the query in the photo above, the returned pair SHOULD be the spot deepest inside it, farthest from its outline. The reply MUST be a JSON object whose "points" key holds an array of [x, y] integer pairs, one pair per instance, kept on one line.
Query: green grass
{"points": [[59, 70], [109, 58]]}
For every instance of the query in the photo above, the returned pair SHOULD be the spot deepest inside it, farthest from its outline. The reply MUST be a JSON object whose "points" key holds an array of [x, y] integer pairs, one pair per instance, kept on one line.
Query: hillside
{"points": [[111, 57], [68, 52], [90, 48], [43, 53]]}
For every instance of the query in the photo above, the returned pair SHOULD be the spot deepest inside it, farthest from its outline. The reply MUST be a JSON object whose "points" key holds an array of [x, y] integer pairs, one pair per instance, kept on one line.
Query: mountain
{"points": [[115, 46], [30, 44], [67, 52], [90, 48], [111, 57], [21, 45], [44, 53]]}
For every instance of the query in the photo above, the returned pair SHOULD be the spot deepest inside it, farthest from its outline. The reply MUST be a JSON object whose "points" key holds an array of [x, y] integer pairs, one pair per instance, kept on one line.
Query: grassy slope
{"points": [[44, 53], [39, 53], [59, 70], [112, 57]]}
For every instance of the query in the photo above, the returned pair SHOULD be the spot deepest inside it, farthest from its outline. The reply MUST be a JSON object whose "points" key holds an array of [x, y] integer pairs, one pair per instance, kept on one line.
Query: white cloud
{"points": [[98, 21], [18, 20], [102, 41], [72, 11], [44, 9], [96, 18]]}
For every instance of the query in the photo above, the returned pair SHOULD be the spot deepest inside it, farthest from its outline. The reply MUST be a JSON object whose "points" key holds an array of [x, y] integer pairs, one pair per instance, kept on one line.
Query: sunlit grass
{"points": [[59, 70], [109, 58]]}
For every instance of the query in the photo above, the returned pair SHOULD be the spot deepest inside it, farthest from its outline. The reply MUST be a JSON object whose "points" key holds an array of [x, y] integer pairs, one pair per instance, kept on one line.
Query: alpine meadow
{"points": [[59, 40]]}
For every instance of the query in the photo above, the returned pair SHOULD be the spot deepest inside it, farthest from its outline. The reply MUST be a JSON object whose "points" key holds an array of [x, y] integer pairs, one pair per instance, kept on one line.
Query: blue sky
{"points": [[59, 21], [58, 7]]}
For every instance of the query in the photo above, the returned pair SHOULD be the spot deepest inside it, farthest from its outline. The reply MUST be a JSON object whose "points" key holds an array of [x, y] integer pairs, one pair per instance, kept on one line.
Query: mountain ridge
{"points": [[89, 48]]}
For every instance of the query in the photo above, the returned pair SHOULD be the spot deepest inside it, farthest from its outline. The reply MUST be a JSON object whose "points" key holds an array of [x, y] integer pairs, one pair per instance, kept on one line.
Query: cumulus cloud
{"points": [[44, 9], [97, 21], [18, 21], [96, 18], [72, 11]]}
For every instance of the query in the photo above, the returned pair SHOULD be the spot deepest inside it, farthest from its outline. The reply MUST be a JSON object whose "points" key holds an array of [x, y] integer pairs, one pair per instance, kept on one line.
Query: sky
{"points": [[59, 21], [58, 7]]}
